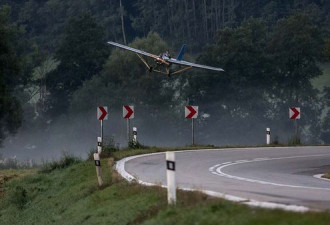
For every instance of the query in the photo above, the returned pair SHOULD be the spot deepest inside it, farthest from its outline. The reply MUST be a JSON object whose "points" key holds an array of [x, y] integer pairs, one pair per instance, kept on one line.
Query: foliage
{"points": [[125, 79], [10, 108], [82, 53], [266, 73], [108, 148], [19, 197], [269, 49], [65, 161], [327, 48], [136, 145], [325, 128], [327, 175], [294, 140]]}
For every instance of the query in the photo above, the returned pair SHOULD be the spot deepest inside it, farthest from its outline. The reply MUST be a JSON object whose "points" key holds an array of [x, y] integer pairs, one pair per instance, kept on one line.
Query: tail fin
{"points": [[180, 55]]}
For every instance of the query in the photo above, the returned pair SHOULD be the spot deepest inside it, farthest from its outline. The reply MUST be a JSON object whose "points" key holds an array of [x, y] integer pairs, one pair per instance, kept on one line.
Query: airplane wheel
{"points": [[150, 69]]}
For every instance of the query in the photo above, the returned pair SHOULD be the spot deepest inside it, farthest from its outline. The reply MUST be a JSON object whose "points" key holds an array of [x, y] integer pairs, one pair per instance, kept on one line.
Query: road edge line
{"points": [[120, 167]]}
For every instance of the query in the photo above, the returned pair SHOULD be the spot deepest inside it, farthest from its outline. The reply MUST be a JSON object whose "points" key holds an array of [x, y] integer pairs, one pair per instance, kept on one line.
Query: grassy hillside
{"points": [[71, 196]]}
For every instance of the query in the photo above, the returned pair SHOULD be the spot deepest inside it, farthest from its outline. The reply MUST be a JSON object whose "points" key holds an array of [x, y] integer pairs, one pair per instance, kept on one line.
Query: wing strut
{"points": [[182, 70], [145, 63]]}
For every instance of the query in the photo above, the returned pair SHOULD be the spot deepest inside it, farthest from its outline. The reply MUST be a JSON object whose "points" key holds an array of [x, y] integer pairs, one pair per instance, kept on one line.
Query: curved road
{"points": [[277, 175]]}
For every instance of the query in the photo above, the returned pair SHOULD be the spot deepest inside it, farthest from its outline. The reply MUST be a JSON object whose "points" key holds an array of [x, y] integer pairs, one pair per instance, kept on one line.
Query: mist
{"points": [[77, 134]]}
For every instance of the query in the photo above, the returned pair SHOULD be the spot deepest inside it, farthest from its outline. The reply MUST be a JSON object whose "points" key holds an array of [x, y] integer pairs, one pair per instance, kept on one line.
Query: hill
{"points": [[71, 196]]}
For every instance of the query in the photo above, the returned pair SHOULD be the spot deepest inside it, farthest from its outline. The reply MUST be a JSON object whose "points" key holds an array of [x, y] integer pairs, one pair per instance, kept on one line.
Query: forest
{"points": [[56, 68]]}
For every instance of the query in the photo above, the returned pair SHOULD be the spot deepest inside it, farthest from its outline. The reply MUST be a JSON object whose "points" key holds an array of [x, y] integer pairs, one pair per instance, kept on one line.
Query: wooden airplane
{"points": [[164, 62]]}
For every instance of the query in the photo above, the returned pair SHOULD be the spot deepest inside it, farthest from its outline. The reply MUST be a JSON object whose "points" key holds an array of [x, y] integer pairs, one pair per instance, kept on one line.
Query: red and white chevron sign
{"points": [[294, 113], [191, 112], [102, 113], [128, 112]]}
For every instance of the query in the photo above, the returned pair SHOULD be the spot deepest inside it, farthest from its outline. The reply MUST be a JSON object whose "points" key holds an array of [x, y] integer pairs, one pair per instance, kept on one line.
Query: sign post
{"points": [[98, 168], [171, 183], [102, 114], [128, 113], [294, 114], [191, 112], [99, 145], [97, 161]]}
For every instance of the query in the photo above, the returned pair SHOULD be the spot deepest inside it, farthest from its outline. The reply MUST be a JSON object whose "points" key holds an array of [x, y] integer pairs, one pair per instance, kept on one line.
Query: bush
{"points": [[136, 145], [276, 140], [295, 140], [108, 148], [19, 197], [66, 161]]}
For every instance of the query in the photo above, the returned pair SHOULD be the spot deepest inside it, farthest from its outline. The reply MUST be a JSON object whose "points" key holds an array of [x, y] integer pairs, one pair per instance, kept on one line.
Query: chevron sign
{"points": [[102, 113], [128, 111], [294, 113], [191, 112]]}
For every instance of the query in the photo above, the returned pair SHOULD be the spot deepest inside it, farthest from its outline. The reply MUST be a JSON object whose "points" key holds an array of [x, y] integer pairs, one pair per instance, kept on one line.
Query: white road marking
{"points": [[120, 167], [320, 176], [219, 172]]}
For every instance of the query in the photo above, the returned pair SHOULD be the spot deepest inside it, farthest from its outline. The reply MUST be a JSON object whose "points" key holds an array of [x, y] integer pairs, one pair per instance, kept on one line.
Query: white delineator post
{"points": [[268, 135], [99, 145], [134, 135], [171, 184], [98, 161]]}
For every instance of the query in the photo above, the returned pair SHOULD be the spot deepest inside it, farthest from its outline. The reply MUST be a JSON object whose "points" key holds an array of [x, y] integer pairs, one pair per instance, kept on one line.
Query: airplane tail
{"points": [[181, 53]]}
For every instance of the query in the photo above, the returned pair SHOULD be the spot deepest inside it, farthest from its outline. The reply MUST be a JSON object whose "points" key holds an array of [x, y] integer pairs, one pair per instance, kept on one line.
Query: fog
{"points": [[77, 134]]}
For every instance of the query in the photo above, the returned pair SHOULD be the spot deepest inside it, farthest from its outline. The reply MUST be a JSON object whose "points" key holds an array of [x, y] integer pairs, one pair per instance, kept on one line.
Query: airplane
{"points": [[164, 61]]}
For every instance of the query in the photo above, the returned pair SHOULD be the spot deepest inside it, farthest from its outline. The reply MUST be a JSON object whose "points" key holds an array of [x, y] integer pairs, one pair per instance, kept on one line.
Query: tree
{"points": [[82, 53], [327, 48], [235, 99], [325, 136], [10, 109], [126, 79], [296, 46]]}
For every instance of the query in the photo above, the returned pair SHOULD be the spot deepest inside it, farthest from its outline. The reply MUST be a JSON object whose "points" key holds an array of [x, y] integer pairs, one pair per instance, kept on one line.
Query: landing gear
{"points": [[151, 69]]}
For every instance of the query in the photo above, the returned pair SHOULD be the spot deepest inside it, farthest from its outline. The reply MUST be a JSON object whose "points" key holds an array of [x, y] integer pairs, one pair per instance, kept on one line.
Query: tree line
{"points": [[56, 57]]}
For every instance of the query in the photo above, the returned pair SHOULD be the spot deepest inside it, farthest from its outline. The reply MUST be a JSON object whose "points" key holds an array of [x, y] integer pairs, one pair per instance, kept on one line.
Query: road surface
{"points": [[277, 175]]}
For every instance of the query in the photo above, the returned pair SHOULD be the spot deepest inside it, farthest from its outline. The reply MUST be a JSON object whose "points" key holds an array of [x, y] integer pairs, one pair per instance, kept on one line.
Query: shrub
{"points": [[276, 140], [136, 145], [19, 197], [108, 148], [65, 161], [294, 140]]}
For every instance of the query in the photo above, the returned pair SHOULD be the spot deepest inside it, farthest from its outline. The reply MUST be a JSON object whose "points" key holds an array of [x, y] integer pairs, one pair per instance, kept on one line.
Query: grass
{"points": [[70, 195], [130, 152], [326, 175], [7, 175]]}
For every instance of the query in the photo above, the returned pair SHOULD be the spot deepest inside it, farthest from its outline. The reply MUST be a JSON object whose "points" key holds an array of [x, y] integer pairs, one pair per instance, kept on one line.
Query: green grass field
{"points": [[71, 196]]}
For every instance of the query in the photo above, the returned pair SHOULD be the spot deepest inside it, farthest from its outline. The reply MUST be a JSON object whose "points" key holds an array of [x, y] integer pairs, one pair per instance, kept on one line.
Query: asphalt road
{"points": [[278, 175]]}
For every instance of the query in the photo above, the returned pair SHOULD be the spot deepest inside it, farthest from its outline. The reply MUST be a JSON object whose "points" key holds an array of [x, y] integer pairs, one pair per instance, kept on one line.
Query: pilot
{"points": [[167, 54]]}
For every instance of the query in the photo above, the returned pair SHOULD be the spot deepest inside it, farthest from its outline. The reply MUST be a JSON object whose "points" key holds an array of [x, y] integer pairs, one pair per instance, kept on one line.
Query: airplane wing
{"points": [[185, 63], [132, 49]]}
